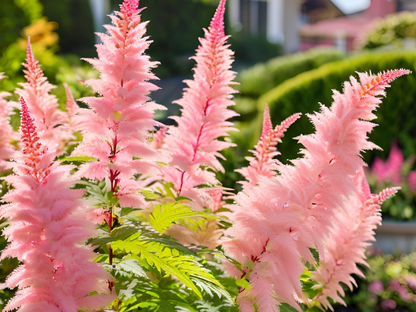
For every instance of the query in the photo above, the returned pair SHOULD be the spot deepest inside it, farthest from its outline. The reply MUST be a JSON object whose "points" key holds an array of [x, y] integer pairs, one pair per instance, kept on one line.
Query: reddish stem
{"points": [[180, 188], [254, 259]]}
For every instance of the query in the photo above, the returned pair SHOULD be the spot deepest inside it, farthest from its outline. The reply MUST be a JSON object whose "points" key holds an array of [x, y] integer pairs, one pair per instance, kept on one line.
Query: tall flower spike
{"points": [[277, 222], [48, 119], [346, 246], [33, 151], [117, 126], [263, 164], [195, 143], [47, 232], [6, 131], [196, 139], [130, 7]]}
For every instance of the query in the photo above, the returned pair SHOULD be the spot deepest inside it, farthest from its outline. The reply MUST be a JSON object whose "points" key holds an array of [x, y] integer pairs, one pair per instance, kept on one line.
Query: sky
{"points": [[351, 6]]}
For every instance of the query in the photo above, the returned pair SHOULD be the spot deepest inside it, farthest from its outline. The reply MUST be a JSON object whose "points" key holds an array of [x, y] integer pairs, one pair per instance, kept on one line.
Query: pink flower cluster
{"points": [[282, 213], [49, 120], [118, 124], [345, 247], [195, 142], [263, 164], [276, 222], [47, 232]]}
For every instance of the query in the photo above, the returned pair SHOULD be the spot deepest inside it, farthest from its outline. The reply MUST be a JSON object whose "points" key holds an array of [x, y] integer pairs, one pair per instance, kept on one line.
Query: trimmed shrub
{"points": [[391, 30], [261, 78], [396, 117]]}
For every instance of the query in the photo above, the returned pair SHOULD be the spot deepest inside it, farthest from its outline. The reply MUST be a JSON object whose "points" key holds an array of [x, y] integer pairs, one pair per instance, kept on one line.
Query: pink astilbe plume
{"points": [[48, 119], [391, 168], [195, 143], [117, 126], [6, 131], [204, 119], [277, 222], [263, 164], [346, 246], [47, 231]]}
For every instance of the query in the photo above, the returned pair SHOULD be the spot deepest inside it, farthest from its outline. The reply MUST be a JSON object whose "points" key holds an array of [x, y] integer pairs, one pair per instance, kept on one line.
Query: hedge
{"points": [[391, 30], [396, 116], [263, 77]]}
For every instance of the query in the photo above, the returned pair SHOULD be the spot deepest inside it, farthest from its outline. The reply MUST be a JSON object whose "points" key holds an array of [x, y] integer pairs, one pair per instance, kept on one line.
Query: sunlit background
{"points": [[288, 53]]}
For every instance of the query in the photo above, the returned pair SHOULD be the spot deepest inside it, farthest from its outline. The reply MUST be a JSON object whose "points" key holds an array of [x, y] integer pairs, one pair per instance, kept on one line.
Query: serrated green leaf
{"points": [[79, 159], [179, 198], [243, 283], [162, 164], [163, 216], [130, 267], [178, 266], [149, 195], [101, 259]]}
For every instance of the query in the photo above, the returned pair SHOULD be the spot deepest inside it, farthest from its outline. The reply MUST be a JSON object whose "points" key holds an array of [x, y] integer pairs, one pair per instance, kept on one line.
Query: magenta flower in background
{"points": [[391, 168], [388, 304], [376, 287], [411, 179], [411, 282]]}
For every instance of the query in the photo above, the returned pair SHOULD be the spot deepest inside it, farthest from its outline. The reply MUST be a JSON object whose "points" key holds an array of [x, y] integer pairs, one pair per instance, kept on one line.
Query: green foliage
{"points": [[251, 49], [396, 116], [14, 16], [76, 27], [78, 159], [392, 30], [263, 77], [163, 216]]}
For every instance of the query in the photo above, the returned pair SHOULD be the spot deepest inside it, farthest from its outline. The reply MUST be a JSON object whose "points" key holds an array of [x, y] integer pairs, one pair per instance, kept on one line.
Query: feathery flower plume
{"points": [[47, 233], [48, 119], [263, 164], [276, 222], [6, 131], [119, 122], [346, 246], [196, 139]]}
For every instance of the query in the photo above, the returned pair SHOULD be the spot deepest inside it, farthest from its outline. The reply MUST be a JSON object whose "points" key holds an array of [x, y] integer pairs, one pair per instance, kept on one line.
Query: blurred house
{"points": [[276, 20], [305, 24], [344, 32]]}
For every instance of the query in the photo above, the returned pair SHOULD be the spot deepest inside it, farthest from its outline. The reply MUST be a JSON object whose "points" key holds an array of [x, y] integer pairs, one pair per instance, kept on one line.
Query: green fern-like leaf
{"points": [[173, 262], [163, 216], [177, 266]]}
